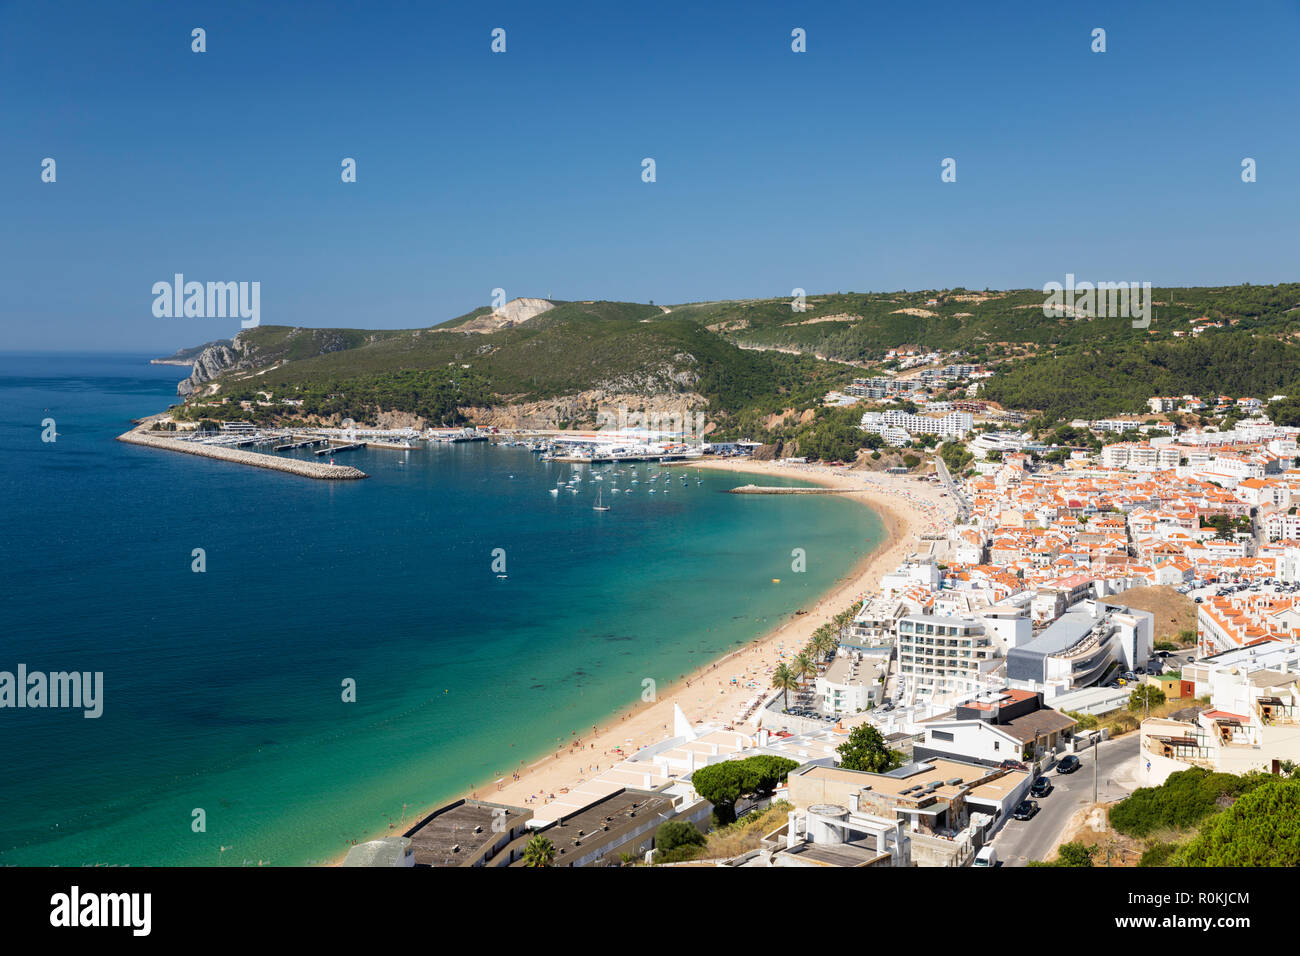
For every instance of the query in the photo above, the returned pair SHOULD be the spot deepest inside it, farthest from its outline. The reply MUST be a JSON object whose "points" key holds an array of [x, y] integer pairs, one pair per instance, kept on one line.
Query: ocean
{"points": [[223, 690]]}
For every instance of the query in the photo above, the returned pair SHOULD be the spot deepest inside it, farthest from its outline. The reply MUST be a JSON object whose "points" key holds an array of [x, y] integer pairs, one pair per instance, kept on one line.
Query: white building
{"points": [[944, 657], [952, 425], [1139, 456], [850, 685]]}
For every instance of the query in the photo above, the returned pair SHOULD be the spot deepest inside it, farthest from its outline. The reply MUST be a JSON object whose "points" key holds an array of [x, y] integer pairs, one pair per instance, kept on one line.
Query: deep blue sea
{"points": [[223, 689]]}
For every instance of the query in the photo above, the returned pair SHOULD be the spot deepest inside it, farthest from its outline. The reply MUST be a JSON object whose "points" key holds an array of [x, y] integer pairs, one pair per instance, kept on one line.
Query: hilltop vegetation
{"points": [[575, 347], [759, 369], [1201, 818]]}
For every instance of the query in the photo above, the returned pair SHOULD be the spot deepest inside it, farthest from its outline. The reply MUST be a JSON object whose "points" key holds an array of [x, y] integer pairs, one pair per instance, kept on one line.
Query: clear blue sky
{"points": [[523, 170]]}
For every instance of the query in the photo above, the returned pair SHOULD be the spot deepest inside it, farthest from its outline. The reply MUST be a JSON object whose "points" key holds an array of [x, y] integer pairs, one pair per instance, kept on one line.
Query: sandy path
{"points": [[907, 508]]}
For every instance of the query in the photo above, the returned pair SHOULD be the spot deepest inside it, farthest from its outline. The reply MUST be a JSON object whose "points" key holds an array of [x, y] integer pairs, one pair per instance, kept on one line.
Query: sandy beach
{"points": [[907, 507]]}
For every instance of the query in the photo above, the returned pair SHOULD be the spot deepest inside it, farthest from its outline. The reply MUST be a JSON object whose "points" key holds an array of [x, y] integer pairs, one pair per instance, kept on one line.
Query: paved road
{"points": [[963, 507], [1018, 841]]}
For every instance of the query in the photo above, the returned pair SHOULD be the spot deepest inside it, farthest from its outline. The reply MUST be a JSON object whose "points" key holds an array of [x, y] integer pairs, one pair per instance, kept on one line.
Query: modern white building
{"points": [[952, 425], [851, 685], [944, 657], [1140, 456], [1080, 647]]}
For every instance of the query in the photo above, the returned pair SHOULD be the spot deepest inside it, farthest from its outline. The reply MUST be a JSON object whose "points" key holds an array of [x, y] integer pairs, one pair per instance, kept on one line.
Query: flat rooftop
{"points": [[607, 821], [451, 836], [922, 774], [835, 854]]}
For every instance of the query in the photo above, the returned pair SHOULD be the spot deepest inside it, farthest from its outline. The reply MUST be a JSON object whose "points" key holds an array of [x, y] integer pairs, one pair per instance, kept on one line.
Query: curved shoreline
{"points": [[650, 723]]}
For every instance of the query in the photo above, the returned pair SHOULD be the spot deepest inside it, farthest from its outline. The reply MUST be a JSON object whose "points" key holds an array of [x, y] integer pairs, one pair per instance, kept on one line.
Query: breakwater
{"points": [[770, 490], [307, 469]]}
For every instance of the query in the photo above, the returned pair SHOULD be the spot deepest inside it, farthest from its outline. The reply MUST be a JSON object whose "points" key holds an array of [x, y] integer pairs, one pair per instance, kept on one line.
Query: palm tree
{"points": [[539, 852], [785, 680], [824, 643], [803, 665]]}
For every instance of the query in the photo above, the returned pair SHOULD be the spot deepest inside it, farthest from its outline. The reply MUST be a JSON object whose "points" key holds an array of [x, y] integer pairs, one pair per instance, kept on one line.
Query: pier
{"points": [[299, 444], [331, 449], [307, 469]]}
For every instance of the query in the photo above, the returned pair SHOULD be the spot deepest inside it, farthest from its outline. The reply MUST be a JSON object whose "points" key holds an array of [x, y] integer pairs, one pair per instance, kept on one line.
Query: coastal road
{"points": [[1019, 841], [963, 508]]}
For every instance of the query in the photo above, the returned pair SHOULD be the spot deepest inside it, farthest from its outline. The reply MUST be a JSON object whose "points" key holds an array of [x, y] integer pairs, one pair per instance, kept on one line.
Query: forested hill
{"points": [[745, 361]]}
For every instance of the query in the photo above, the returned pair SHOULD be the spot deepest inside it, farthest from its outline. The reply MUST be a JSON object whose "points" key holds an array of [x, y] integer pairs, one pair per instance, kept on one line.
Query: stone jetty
{"points": [[770, 490], [308, 469]]}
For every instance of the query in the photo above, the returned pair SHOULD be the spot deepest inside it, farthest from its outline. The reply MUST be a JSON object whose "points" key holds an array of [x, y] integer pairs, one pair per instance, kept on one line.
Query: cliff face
{"points": [[515, 312], [596, 408], [212, 361]]}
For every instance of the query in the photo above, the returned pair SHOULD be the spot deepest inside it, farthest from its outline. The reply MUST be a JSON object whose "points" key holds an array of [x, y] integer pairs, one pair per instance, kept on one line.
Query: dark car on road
{"points": [[1025, 810], [1041, 787], [1068, 764]]}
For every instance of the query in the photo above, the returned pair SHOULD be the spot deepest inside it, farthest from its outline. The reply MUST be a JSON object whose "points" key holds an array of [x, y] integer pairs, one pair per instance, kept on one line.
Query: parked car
{"points": [[1025, 810], [1069, 764], [986, 857], [1041, 787], [1012, 765]]}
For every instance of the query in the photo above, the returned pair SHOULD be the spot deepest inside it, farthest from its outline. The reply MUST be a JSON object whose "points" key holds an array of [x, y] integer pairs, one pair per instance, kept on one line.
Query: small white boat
{"points": [[555, 491], [598, 506]]}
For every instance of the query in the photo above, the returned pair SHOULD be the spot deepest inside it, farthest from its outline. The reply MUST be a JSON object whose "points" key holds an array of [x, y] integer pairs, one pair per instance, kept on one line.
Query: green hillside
{"points": [[749, 359]]}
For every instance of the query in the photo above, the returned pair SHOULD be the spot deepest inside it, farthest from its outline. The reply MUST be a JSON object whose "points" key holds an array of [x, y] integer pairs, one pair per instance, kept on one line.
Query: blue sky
{"points": [[522, 170]]}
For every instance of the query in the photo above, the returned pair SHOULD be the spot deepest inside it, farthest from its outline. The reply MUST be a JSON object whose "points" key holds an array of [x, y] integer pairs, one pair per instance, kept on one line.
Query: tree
{"points": [[722, 784], [1145, 697], [824, 642], [678, 833], [1075, 854], [785, 680], [803, 665], [1261, 829], [866, 750], [539, 852]]}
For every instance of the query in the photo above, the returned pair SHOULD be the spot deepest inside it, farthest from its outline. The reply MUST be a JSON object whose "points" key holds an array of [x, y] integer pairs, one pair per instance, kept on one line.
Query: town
{"points": [[1014, 674]]}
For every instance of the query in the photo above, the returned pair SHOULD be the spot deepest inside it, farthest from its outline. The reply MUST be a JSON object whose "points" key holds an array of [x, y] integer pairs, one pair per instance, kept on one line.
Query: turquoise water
{"points": [[222, 690]]}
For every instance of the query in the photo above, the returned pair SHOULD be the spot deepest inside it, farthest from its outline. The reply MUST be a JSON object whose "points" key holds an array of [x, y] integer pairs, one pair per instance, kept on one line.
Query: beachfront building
{"points": [[944, 657], [1081, 647], [466, 833], [384, 852], [851, 685], [601, 832], [915, 572], [873, 626]]}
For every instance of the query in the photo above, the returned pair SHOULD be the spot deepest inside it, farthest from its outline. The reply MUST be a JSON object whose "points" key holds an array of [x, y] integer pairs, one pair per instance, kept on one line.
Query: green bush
{"points": [[1158, 854], [677, 833], [1261, 829], [1183, 801]]}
